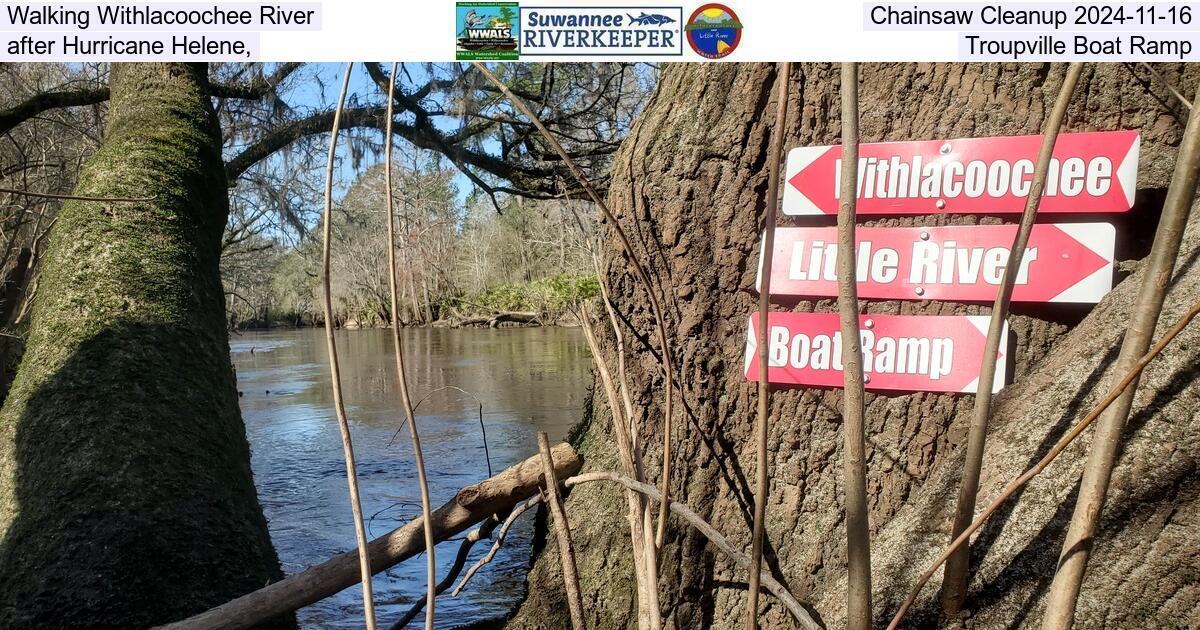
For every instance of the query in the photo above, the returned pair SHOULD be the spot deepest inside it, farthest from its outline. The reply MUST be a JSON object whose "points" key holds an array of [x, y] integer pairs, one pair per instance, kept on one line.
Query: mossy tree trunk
{"points": [[126, 496], [689, 186]]}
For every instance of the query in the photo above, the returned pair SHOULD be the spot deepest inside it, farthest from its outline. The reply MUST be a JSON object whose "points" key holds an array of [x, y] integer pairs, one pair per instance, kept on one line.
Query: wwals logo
{"points": [[486, 30]]}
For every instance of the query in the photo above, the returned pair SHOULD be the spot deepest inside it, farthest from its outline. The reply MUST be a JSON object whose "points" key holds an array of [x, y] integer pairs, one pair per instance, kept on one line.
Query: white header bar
{"points": [[583, 30]]}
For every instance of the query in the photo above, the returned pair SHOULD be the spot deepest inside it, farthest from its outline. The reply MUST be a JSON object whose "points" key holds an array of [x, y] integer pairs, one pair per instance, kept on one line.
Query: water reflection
{"points": [[527, 379]]}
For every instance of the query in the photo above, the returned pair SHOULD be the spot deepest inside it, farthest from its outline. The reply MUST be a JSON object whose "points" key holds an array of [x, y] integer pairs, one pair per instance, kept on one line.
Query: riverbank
{"points": [[547, 302], [507, 319]]}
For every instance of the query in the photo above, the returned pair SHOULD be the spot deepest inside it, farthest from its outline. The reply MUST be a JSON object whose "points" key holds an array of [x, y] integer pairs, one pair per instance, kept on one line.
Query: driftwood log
{"points": [[495, 319], [471, 505]]}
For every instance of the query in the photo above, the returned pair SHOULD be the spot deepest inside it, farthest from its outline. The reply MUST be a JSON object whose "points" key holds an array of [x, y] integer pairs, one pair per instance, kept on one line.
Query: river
{"points": [[527, 379]]}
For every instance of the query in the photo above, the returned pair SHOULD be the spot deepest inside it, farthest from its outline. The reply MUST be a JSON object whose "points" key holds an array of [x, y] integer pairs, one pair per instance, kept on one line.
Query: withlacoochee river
{"points": [[529, 380]]}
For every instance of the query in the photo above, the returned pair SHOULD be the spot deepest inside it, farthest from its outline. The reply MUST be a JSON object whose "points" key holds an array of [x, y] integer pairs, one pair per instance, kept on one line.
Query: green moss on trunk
{"points": [[126, 497]]}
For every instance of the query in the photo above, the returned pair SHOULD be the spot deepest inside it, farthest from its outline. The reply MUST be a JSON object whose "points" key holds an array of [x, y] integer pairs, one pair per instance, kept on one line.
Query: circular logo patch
{"points": [[713, 31]]}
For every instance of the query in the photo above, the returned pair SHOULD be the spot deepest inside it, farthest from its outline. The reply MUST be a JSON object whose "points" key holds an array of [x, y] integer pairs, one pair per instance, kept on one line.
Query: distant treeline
{"points": [[459, 260]]}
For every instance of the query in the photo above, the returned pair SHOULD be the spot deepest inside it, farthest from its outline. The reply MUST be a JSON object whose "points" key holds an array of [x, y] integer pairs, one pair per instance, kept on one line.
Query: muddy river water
{"points": [[528, 380]]}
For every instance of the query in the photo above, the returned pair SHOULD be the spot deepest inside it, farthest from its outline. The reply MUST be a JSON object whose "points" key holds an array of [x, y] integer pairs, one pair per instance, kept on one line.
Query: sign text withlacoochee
{"points": [[1089, 172], [899, 353], [1071, 262]]}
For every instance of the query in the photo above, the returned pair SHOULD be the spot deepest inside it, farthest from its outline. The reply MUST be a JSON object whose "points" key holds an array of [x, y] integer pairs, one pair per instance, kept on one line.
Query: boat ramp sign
{"points": [[932, 353]]}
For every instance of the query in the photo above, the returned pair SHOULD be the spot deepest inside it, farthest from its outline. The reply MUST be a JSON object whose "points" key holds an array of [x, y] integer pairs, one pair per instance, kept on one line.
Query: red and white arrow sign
{"points": [[1089, 172], [1069, 262], [909, 353]]}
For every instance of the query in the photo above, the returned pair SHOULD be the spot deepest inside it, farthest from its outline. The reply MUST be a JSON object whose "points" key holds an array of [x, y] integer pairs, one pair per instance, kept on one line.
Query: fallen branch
{"points": [[482, 532], [471, 505], [742, 560], [499, 542], [1016, 484], [495, 319]]}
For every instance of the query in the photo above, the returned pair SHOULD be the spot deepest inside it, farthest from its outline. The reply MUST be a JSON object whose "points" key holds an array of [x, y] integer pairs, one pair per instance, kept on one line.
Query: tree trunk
{"points": [[126, 497], [428, 302], [688, 185]]}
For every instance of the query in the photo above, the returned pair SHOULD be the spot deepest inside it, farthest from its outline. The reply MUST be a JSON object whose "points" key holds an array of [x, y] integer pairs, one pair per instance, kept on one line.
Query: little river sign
{"points": [[902, 353], [1071, 262], [1089, 172]]}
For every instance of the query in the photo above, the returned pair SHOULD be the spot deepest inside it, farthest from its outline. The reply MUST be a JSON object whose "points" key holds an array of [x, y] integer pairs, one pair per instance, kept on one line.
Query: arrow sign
{"points": [[1089, 172], [1070, 262], [909, 353]]}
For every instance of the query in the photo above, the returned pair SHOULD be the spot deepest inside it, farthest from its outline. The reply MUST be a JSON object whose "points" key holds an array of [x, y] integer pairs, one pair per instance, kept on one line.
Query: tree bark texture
{"points": [[688, 185], [126, 496]]}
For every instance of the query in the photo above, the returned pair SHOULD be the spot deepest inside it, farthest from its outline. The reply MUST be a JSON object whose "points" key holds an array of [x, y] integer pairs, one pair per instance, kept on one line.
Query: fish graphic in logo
{"points": [[486, 30], [713, 31], [654, 19]]}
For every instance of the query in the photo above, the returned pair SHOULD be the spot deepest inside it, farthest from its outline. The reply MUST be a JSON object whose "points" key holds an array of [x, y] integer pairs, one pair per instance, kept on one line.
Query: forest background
{"points": [[473, 249]]}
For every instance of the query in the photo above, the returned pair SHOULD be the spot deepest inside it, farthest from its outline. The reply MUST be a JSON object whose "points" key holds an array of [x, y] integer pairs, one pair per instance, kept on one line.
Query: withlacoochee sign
{"points": [[900, 353], [1089, 172], [1070, 262]]}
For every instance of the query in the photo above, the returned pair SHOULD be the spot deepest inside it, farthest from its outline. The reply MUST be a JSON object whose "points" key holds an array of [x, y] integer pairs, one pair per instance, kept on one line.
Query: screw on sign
{"points": [[1071, 262], [1089, 172], [900, 353]]}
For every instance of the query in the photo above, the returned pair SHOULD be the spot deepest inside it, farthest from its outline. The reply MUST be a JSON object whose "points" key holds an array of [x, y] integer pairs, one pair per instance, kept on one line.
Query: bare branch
{"points": [[639, 272], [1011, 488], [360, 532], [768, 581], [482, 532], [954, 587], [1106, 444], [562, 533], [46, 101], [26, 193], [402, 378], [858, 538], [257, 88], [762, 483], [491, 554], [1170, 87], [533, 179]]}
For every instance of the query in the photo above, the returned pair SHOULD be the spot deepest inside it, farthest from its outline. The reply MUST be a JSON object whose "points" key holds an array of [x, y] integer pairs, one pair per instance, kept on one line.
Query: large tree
{"points": [[689, 186], [126, 496]]}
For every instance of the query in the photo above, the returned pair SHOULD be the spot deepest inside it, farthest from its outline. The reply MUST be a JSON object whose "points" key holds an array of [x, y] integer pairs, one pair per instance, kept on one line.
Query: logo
{"points": [[599, 31], [486, 30], [713, 31]]}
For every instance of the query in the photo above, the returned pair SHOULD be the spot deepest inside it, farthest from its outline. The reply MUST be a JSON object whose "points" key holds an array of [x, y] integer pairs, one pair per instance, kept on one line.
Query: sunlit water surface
{"points": [[528, 380]]}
